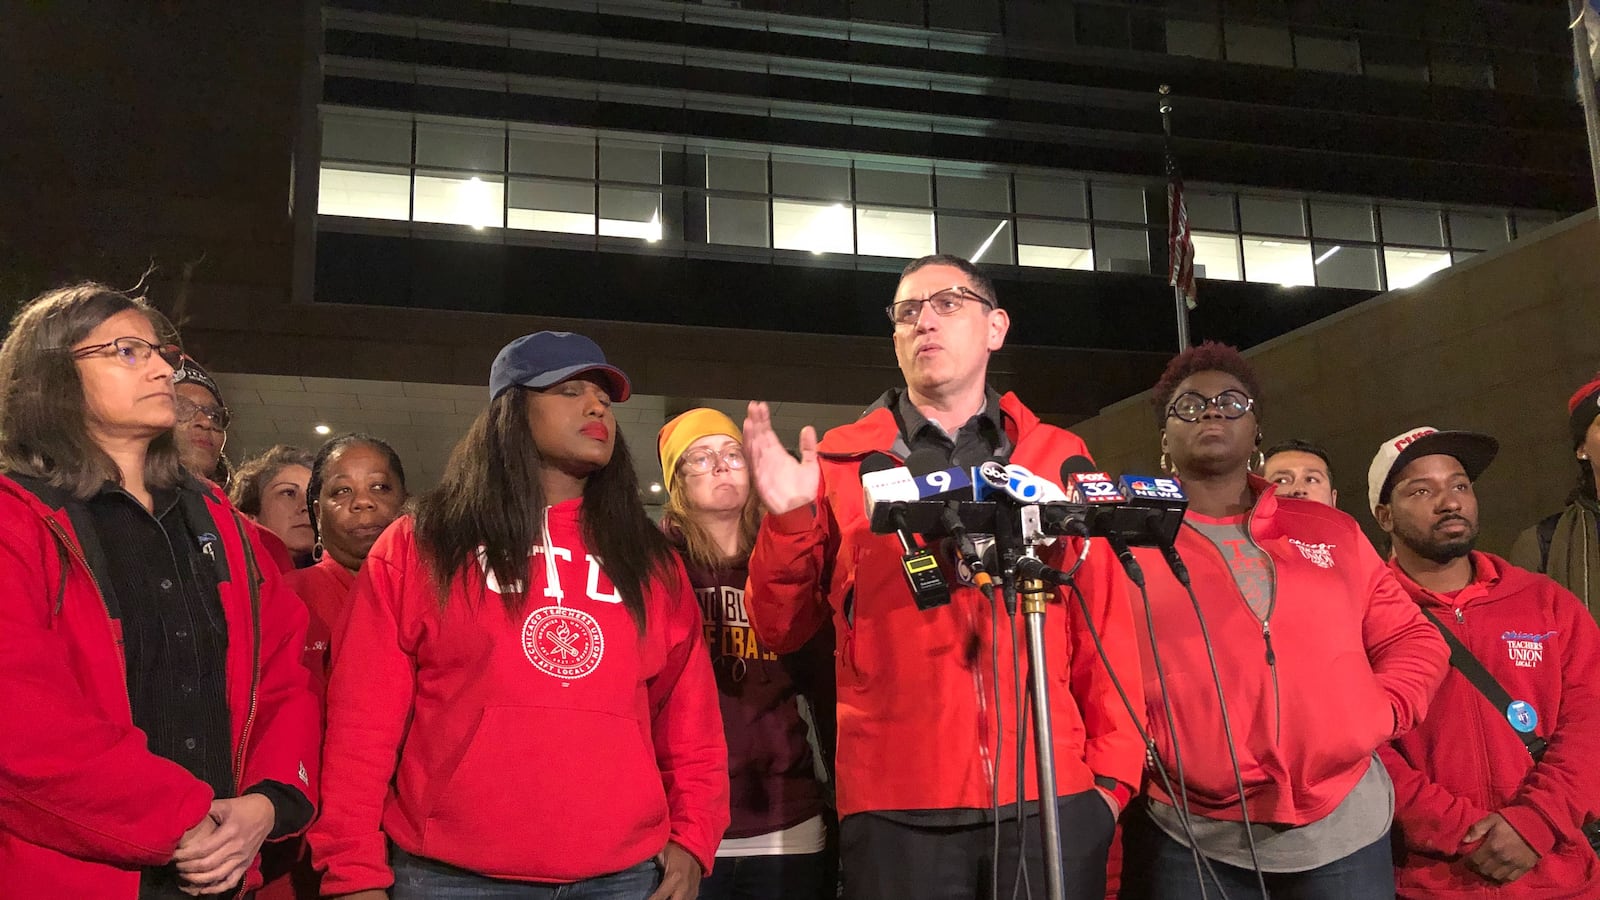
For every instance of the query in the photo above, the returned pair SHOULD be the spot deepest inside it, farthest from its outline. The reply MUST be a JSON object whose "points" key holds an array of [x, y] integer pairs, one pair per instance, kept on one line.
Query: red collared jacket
{"points": [[1343, 663], [83, 802], [917, 718], [1465, 761]]}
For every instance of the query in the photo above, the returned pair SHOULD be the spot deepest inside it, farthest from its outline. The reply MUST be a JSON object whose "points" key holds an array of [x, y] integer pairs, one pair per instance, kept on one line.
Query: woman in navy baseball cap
{"points": [[521, 699]]}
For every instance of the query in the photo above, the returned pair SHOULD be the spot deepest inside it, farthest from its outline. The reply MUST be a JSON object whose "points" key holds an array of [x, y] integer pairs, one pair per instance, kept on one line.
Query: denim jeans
{"points": [[804, 876], [416, 878], [1156, 867]]}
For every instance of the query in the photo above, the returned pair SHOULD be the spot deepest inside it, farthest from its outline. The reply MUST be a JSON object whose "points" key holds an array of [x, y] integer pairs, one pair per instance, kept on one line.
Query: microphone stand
{"points": [[1035, 596]]}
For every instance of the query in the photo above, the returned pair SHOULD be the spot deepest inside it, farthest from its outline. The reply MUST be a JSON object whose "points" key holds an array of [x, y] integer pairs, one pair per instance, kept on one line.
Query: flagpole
{"points": [[1580, 10], [1180, 303]]}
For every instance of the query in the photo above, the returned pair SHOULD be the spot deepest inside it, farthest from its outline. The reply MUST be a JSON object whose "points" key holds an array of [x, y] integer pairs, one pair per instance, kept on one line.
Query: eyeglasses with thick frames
{"points": [[1191, 405], [132, 352], [699, 462], [187, 409], [945, 303]]}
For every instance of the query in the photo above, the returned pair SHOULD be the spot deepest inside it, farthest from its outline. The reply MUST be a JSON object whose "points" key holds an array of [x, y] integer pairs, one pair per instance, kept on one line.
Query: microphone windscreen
{"points": [[1076, 464], [925, 461], [878, 461]]}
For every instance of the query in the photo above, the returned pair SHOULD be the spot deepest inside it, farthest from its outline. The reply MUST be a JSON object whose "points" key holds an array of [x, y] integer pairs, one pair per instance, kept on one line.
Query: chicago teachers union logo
{"points": [[563, 643]]}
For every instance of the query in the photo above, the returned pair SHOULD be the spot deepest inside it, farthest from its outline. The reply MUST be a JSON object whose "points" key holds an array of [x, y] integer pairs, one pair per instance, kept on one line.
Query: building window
{"points": [[1118, 203], [1099, 26], [1411, 225], [560, 156], [1394, 60], [554, 206], [1344, 221], [1459, 67], [1057, 197], [364, 192], [1477, 231], [1261, 45], [1327, 54], [1122, 250], [1278, 261], [561, 182], [363, 137], [1216, 256], [1194, 37], [471, 148], [1054, 245], [1407, 266], [1346, 266], [458, 199], [977, 239]]}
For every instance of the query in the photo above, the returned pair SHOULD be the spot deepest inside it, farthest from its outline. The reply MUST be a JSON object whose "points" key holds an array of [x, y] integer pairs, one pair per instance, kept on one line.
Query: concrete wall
{"points": [[1496, 344]]}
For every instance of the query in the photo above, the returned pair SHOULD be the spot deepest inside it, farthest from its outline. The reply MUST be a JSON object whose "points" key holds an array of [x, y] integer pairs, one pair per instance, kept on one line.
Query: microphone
{"points": [[885, 482], [1100, 494], [1015, 482], [934, 480], [951, 485], [1165, 503]]}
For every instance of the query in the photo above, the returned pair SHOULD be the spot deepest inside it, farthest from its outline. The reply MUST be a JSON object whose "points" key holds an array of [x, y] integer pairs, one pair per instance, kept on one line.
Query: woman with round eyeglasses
{"points": [[157, 725], [774, 847], [1270, 687]]}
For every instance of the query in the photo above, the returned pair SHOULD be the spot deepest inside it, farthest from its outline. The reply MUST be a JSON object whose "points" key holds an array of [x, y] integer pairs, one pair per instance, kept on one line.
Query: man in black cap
{"points": [[202, 428], [1497, 783]]}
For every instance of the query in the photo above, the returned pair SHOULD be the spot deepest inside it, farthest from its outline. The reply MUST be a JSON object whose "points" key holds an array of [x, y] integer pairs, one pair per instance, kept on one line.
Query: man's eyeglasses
{"points": [[699, 462], [187, 409], [1191, 405], [944, 302], [132, 352]]}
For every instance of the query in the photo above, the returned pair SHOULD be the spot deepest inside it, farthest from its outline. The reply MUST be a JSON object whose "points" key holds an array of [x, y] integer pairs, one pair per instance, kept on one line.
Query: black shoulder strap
{"points": [[1469, 666], [1547, 535], [84, 530]]}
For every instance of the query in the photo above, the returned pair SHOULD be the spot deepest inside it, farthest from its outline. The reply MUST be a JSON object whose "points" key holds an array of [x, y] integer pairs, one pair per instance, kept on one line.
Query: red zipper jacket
{"points": [[83, 802], [550, 745], [1464, 761], [325, 588], [915, 708], [1343, 663]]}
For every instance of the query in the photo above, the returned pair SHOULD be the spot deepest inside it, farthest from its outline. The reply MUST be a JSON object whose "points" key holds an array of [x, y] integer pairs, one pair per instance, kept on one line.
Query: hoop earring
{"points": [[316, 550], [1165, 463], [1257, 461]]}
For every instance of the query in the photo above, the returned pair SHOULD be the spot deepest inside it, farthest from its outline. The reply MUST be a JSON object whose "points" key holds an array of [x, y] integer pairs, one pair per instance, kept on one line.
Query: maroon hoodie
{"points": [[770, 772]]}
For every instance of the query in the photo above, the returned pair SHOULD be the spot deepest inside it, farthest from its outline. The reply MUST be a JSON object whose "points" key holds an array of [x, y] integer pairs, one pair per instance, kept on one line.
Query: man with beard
{"points": [[1489, 801]]}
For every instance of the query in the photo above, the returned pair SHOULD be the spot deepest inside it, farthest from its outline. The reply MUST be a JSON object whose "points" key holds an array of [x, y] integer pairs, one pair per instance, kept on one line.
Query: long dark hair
{"points": [[491, 500], [43, 428]]}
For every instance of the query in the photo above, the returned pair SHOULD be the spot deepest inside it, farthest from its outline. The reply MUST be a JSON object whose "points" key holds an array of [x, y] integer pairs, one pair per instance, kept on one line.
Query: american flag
{"points": [[1180, 240]]}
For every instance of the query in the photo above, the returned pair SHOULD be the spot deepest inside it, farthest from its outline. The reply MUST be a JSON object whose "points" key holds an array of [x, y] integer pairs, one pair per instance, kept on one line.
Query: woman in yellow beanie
{"points": [[774, 848]]}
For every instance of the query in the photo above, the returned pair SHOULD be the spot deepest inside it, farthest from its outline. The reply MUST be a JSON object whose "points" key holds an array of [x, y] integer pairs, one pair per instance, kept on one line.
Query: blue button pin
{"points": [[1522, 716]]}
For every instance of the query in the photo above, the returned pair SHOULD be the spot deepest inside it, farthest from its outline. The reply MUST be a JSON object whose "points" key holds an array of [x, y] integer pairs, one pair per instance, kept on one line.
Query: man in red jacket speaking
{"points": [[928, 698], [1493, 788]]}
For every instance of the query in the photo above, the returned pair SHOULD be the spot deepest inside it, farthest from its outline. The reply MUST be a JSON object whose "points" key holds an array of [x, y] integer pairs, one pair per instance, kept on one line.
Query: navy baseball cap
{"points": [[544, 358]]}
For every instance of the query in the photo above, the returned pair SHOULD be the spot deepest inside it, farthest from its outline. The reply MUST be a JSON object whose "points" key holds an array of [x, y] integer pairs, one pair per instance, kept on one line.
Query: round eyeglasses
{"points": [[944, 302], [132, 352], [699, 462], [1191, 405], [187, 409]]}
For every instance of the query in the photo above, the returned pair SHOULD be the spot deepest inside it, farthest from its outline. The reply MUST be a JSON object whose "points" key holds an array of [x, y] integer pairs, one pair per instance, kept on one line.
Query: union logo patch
{"points": [[563, 642], [1319, 554]]}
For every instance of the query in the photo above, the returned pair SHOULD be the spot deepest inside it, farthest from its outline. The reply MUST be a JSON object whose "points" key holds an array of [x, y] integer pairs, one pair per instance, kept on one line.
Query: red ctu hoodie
{"points": [[553, 744], [1464, 761]]}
